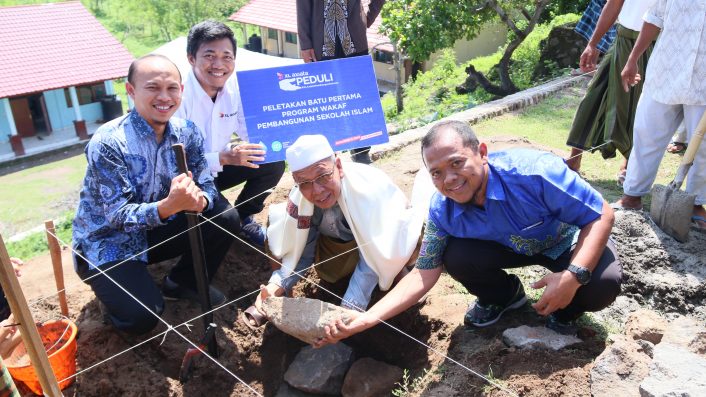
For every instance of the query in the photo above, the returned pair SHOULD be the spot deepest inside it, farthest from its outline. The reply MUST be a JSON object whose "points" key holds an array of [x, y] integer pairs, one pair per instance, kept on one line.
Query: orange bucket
{"points": [[59, 339]]}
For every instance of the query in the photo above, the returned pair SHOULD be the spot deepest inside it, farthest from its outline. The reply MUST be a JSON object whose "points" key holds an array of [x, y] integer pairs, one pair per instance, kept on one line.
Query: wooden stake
{"points": [[55, 251], [30, 335]]}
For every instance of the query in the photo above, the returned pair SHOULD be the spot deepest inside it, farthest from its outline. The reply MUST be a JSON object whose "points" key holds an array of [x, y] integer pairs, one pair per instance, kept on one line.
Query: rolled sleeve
{"points": [[280, 277], [655, 14]]}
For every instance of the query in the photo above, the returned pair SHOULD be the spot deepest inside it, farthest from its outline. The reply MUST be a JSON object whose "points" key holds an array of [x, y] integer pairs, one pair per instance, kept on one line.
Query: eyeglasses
{"points": [[321, 180]]}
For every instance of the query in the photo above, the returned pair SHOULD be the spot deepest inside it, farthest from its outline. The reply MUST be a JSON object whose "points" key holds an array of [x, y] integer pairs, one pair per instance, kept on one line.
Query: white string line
{"points": [[186, 323], [502, 388], [255, 291], [39, 300], [169, 327]]}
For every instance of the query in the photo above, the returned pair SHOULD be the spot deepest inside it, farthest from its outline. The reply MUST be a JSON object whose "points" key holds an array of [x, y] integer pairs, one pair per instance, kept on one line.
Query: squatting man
{"points": [[504, 210]]}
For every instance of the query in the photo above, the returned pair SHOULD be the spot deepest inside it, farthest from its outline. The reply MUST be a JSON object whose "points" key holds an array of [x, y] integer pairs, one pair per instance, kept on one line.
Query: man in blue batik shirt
{"points": [[506, 210], [133, 198]]}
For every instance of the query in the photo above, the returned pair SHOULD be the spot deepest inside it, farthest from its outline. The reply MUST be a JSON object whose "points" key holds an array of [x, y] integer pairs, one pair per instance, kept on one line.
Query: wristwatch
{"points": [[582, 274]]}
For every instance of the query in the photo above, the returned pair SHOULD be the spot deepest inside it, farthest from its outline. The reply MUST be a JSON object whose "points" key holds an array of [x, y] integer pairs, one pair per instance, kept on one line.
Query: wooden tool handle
{"points": [[180, 154], [695, 141]]}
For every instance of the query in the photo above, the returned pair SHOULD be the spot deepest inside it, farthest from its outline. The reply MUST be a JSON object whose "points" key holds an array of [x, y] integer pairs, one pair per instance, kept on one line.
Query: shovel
{"points": [[672, 208]]}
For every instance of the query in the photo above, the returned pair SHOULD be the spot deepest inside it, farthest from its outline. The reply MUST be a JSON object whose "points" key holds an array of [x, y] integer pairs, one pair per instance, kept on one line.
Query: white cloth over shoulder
{"points": [[385, 224]]}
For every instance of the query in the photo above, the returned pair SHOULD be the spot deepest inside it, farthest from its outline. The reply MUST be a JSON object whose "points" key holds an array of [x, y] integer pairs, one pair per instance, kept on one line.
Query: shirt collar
{"points": [[494, 191], [141, 126]]}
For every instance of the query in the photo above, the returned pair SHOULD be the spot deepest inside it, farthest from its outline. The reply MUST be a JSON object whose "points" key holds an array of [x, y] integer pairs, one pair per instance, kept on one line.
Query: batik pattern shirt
{"points": [[128, 172], [534, 205]]}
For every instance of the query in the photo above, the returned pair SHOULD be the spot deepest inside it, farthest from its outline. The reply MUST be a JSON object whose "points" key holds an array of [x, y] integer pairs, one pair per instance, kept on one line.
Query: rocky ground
{"points": [[443, 358]]}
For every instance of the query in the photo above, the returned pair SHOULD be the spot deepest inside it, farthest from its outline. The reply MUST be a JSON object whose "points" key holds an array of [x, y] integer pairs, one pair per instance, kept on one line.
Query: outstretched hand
{"points": [[339, 330], [559, 290]]}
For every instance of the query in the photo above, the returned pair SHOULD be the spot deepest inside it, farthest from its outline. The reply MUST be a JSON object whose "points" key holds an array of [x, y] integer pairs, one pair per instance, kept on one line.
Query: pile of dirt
{"points": [[658, 272]]}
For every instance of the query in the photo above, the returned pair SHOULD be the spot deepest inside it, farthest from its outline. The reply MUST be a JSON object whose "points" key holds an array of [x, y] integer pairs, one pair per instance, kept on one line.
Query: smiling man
{"points": [[506, 210], [133, 200], [348, 218], [212, 101]]}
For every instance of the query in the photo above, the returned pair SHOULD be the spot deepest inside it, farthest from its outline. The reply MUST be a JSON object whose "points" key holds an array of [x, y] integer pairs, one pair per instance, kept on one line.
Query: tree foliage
{"points": [[422, 27]]}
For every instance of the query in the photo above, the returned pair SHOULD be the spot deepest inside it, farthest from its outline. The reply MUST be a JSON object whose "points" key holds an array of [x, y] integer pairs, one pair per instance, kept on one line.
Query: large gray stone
{"points": [[288, 391], [621, 367], [645, 325], [303, 318], [678, 365], [675, 371], [320, 371], [537, 337], [370, 378]]}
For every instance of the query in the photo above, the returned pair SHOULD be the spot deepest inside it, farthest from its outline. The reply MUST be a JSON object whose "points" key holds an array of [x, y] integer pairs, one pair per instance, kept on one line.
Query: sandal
{"points": [[253, 318], [676, 148]]}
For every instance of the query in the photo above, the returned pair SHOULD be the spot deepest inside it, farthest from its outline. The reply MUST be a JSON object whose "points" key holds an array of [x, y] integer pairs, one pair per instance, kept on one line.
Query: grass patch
{"points": [[31, 196], [413, 386], [36, 243]]}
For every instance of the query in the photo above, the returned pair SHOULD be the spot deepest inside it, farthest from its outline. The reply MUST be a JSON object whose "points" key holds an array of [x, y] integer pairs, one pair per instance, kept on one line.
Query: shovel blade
{"points": [[671, 210]]}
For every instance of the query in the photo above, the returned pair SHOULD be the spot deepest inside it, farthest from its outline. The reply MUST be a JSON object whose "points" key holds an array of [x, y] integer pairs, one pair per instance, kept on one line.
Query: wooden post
{"points": [[30, 335], [55, 252]]}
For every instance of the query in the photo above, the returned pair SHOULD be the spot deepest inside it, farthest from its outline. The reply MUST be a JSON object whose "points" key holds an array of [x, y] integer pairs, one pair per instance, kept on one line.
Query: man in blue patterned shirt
{"points": [[506, 210], [133, 198]]}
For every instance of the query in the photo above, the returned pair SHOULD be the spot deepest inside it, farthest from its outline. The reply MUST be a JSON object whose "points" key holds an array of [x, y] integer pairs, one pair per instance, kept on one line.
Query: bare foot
{"points": [[628, 202], [574, 160]]}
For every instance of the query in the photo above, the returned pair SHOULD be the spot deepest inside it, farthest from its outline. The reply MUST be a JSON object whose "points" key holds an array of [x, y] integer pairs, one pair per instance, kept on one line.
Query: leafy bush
{"points": [[526, 56]]}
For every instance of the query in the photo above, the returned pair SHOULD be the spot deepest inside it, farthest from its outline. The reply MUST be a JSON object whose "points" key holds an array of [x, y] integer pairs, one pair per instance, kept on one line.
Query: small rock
{"points": [[320, 371], [646, 347], [537, 337], [304, 318], [675, 371], [370, 378], [621, 367], [645, 325]]}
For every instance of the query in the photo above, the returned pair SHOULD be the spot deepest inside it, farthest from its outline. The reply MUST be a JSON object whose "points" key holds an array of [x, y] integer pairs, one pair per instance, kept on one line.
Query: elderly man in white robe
{"points": [[345, 219]]}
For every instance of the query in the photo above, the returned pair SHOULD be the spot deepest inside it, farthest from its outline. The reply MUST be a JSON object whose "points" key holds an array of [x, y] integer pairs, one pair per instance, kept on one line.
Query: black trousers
{"points": [[257, 180], [479, 264], [128, 315]]}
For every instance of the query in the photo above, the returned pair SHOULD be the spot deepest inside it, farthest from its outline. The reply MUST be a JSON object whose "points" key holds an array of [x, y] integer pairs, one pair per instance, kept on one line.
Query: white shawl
{"points": [[383, 223]]}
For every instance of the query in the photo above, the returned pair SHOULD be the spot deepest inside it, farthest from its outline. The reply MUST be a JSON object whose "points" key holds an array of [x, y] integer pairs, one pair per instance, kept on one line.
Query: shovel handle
{"points": [[690, 154]]}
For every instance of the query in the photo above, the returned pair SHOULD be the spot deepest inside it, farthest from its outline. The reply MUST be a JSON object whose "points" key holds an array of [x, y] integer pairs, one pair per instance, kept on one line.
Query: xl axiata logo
{"points": [[299, 80]]}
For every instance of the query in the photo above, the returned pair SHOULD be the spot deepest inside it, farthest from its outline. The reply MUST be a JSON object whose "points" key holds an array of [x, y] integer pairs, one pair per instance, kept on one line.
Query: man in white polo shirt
{"points": [[212, 101]]}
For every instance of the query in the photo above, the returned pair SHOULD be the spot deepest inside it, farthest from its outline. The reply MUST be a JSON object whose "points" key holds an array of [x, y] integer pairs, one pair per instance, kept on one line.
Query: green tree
{"points": [[422, 27]]}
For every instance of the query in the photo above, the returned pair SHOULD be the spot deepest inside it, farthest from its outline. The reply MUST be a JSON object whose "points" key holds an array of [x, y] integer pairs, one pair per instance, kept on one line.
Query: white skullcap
{"points": [[307, 150]]}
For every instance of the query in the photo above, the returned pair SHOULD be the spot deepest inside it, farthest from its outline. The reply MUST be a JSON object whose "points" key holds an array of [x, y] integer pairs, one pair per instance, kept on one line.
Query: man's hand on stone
{"points": [[266, 291], [338, 330], [243, 155], [559, 291], [184, 195]]}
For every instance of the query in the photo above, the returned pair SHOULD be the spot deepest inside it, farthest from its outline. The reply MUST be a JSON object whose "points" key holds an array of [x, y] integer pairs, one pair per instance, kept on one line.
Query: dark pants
{"points": [[128, 315], [257, 180], [479, 264]]}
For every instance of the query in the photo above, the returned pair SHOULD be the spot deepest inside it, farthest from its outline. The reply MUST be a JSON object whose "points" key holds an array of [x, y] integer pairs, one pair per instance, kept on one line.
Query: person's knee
{"points": [[135, 319]]}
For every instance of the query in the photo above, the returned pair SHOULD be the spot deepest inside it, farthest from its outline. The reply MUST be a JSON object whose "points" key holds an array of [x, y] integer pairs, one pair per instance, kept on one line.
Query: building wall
{"points": [[62, 116], [4, 125], [291, 50], [384, 71], [490, 38]]}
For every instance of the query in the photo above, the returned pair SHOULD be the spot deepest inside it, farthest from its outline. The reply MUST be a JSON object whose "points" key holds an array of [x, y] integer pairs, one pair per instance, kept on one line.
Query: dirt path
{"points": [[260, 358]]}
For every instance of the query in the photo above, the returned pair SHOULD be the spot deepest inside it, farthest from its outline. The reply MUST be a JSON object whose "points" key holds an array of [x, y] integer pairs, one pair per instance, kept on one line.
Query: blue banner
{"points": [[337, 98]]}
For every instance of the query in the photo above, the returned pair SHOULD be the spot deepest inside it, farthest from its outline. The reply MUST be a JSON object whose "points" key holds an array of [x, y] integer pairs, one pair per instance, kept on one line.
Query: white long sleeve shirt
{"points": [[676, 72], [218, 121]]}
